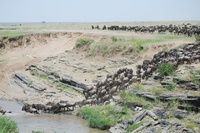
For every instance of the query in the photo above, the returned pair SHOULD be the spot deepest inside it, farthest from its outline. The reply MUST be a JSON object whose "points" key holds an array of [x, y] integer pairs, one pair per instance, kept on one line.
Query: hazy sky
{"points": [[98, 10]]}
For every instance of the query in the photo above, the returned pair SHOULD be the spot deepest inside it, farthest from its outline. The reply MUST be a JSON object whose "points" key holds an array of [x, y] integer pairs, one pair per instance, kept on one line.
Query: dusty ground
{"points": [[62, 59]]}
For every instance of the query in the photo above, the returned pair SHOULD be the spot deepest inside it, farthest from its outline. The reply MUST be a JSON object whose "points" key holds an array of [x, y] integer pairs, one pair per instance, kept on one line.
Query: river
{"points": [[48, 123]]}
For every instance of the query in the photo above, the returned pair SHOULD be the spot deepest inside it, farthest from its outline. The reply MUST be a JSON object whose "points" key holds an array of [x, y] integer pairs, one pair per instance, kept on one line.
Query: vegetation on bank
{"points": [[114, 45], [12, 33], [166, 69], [7, 125], [102, 117], [80, 42], [37, 132]]}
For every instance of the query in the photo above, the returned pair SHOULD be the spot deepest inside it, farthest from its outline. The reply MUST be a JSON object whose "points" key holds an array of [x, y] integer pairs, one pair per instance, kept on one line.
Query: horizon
{"points": [[110, 21]]}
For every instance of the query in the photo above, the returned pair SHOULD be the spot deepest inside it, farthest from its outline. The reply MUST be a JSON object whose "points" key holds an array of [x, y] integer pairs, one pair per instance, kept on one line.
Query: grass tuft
{"points": [[166, 69], [132, 97], [7, 125], [114, 39], [80, 42], [102, 117], [37, 132]]}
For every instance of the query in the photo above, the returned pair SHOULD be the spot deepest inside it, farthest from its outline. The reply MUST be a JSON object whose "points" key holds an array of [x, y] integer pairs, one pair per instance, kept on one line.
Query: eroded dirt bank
{"points": [[53, 51]]}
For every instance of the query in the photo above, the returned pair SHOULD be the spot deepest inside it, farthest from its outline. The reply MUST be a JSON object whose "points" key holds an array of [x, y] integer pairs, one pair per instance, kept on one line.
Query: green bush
{"points": [[114, 39], [166, 69], [83, 41], [102, 117], [7, 125]]}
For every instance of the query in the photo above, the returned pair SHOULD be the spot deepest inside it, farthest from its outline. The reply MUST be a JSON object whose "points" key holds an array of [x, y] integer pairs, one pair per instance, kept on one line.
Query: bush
{"points": [[166, 69], [83, 41], [7, 125], [102, 117], [114, 39]]}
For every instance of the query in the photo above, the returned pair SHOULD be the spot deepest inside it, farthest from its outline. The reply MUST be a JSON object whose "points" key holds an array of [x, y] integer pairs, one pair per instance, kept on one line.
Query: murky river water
{"points": [[48, 123]]}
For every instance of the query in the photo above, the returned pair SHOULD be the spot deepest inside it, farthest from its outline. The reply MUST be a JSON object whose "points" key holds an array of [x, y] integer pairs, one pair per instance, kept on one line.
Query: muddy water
{"points": [[47, 123]]}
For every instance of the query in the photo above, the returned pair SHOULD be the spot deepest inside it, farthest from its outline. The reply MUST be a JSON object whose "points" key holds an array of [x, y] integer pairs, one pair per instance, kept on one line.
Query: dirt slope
{"points": [[19, 58]]}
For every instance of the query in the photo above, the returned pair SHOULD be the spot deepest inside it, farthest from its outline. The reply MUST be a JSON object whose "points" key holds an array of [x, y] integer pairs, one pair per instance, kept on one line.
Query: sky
{"points": [[98, 10]]}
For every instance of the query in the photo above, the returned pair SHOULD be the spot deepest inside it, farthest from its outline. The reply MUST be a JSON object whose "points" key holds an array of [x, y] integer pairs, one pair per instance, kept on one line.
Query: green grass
{"points": [[80, 42], [42, 76], [171, 86], [13, 33], [64, 86], [114, 39], [194, 77], [102, 117], [7, 125], [137, 44], [37, 132], [187, 123], [133, 126], [131, 97], [166, 69], [155, 91], [138, 86]]}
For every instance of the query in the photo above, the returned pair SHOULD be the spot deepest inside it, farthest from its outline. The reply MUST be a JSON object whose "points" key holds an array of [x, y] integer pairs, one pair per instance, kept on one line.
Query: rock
{"points": [[158, 77], [22, 78], [187, 130], [117, 129], [101, 68], [37, 87], [148, 123], [139, 116], [166, 129], [132, 105], [180, 114], [160, 113], [124, 123], [68, 80], [165, 84], [152, 115]]}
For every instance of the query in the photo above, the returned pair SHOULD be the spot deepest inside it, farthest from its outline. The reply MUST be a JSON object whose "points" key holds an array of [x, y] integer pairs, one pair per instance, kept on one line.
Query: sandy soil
{"points": [[19, 58]]}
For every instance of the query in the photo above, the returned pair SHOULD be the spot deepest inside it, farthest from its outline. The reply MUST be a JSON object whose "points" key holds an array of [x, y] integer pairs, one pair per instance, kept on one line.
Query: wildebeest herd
{"points": [[185, 29]]}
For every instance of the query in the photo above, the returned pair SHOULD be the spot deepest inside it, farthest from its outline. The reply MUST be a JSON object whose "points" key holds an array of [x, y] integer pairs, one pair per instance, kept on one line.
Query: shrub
{"points": [[83, 41], [7, 125], [166, 69], [114, 39], [102, 117]]}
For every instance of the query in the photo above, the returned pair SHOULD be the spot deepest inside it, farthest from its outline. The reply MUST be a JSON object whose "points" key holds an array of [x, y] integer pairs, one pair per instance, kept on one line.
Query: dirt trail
{"points": [[20, 58]]}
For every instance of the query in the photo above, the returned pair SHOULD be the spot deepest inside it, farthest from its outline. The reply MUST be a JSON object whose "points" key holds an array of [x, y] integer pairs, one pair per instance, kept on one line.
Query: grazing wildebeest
{"points": [[97, 27], [104, 27]]}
